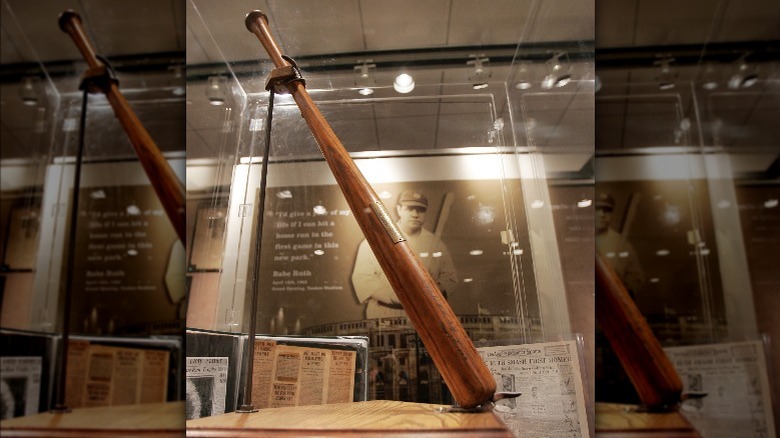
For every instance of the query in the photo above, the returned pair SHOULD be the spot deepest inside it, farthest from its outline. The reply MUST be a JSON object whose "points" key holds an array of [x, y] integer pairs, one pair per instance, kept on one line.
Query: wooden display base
{"points": [[161, 420], [623, 421], [379, 418]]}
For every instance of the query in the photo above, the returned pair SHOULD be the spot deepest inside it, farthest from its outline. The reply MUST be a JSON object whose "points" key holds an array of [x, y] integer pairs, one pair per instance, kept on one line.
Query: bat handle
{"points": [[70, 23], [257, 23]]}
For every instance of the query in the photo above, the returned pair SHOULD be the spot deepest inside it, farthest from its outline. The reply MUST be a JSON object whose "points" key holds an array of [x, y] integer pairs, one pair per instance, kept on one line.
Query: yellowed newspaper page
{"points": [[314, 375], [286, 376], [735, 379], [261, 373], [341, 377], [99, 376], [548, 375], [127, 373], [154, 381], [76, 383]]}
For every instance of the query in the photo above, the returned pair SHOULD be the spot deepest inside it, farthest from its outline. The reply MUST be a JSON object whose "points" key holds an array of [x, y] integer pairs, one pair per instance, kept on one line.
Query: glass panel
{"points": [[686, 165], [123, 263]]}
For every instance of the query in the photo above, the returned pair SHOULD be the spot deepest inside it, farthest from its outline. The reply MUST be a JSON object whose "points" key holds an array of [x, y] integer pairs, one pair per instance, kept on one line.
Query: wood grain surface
{"points": [[151, 419], [366, 419], [619, 420]]}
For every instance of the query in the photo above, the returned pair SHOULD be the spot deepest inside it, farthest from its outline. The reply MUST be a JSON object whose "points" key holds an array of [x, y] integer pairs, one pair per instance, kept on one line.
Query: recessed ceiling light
{"points": [[403, 83], [214, 90]]}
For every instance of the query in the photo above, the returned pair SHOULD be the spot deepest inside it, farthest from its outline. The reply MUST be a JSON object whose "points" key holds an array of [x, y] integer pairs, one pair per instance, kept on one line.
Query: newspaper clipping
{"points": [[548, 375], [286, 375], [100, 375], [206, 386], [20, 386], [734, 378]]}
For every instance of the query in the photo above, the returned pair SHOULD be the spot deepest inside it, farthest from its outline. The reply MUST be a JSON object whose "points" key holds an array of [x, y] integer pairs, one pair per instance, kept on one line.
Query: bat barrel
{"points": [[649, 369]]}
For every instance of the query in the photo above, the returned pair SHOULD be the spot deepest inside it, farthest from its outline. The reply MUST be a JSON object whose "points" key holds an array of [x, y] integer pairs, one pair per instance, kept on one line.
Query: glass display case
{"points": [[214, 218], [92, 269], [686, 170], [485, 159]]}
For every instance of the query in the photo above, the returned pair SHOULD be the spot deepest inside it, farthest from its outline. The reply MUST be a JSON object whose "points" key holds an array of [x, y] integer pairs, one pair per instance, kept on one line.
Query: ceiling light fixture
{"points": [[709, 81], [29, 91], [667, 76], [558, 76], [178, 80], [403, 83], [745, 75], [482, 74], [215, 91], [523, 77], [364, 77]]}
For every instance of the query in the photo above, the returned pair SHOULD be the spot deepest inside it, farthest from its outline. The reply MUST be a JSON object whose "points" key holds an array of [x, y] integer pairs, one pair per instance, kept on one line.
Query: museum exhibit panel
{"points": [[92, 276], [687, 150], [473, 126]]}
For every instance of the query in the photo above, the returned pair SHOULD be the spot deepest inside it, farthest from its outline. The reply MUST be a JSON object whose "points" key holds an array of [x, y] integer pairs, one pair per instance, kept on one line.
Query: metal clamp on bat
{"points": [[281, 76], [98, 79], [99, 74]]}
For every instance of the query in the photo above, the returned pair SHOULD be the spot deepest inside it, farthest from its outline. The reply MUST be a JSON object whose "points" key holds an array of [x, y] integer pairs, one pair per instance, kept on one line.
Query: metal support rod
{"points": [[247, 405], [60, 404]]}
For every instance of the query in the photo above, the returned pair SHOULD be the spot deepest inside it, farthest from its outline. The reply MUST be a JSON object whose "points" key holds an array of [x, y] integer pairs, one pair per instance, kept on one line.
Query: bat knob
{"points": [[251, 19], [65, 18]]}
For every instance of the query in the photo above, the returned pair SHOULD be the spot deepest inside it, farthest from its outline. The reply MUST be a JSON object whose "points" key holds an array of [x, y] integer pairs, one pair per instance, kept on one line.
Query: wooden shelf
{"points": [[379, 418], [623, 421], [161, 420]]}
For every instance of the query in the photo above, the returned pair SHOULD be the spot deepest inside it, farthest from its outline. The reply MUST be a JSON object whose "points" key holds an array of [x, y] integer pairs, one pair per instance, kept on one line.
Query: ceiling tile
{"points": [[305, 28], [563, 21], [405, 23], [665, 22], [615, 21], [476, 22], [746, 20]]}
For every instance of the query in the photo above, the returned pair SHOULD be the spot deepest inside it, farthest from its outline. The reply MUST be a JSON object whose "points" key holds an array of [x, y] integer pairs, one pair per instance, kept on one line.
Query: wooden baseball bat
{"points": [[649, 369], [169, 189], [466, 375]]}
